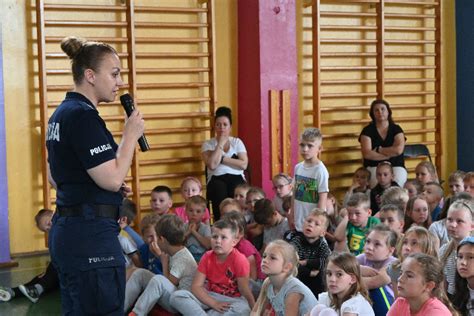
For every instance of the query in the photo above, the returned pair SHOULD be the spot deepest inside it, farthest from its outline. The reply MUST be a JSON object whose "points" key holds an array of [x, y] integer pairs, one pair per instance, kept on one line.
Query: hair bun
{"points": [[223, 111], [72, 45]]}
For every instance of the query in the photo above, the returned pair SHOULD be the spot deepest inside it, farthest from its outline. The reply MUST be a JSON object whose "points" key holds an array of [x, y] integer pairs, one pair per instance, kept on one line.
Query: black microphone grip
{"points": [[127, 103]]}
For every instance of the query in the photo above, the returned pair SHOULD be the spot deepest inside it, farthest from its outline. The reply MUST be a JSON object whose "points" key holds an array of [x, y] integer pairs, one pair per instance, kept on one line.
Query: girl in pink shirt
{"points": [[421, 288]]}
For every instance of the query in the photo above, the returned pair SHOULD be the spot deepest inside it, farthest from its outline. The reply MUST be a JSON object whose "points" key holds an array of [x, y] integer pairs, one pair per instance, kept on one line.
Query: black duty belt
{"points": [[100, 210]]}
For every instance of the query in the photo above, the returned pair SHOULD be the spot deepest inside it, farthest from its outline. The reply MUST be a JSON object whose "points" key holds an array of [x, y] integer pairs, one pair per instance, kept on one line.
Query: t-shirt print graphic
{"points": [[306, 189], [230, 289]]}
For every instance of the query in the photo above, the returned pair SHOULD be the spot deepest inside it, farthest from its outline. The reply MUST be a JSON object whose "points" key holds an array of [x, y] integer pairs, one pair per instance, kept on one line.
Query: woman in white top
{"points": [[226, 159]]}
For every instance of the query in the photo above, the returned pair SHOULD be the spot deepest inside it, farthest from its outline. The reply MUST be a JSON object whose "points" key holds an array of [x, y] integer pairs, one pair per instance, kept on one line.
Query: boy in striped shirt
{"points": [[313, 250]]}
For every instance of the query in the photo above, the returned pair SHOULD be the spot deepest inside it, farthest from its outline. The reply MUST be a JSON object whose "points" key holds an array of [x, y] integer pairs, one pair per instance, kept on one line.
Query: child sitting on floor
{"points": [[42, 283], [346, 293], [161, 199], [127, 230], [198, 234], [378, 253], [385, 176], [282, 293], [274, 224], [191, 186], [420, 288], [456, 186], [283, 187], [179, 268], [228, 205], [248, 250], [356, 222], [413, 187], [438, 228], [469, 183], [150, 256], [417, 213], [150, 252], [254, 230], [455, 182], [426, 172], [460, 224], [433, 194], [360, 184], [127, 213], [253, 195], [286, 206], [463, 298], [240, 195], [221, 283], [332, 210], [396, 196], [312, 249], [416, 240], [393, 217]]}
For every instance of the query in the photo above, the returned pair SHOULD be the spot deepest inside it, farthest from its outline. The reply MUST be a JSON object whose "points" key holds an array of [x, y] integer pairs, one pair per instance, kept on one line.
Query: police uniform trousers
{"points": [[87, 254]]}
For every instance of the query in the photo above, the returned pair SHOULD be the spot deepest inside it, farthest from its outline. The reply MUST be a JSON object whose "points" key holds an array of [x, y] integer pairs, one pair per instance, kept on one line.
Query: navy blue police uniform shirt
{"points": [[77, 140]]}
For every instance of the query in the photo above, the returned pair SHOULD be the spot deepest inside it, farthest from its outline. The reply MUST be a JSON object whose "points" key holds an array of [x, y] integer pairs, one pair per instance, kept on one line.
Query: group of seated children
{"points": [[387, 251]]}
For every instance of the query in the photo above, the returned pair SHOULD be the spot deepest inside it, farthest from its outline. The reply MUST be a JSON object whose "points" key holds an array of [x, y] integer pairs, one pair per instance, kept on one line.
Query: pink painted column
{"points": [[267, 61]]}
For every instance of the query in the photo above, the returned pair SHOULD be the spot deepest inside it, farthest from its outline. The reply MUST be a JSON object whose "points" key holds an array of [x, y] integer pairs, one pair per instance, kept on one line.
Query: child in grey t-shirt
{"points": [[198, 234], [274, 224]]}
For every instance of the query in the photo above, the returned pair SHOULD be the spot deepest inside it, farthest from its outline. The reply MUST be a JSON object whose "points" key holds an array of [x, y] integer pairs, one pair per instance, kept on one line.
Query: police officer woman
{"points": [[87, 169]]}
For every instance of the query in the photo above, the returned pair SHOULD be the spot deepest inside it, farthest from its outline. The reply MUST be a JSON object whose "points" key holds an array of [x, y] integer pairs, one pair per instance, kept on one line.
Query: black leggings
{"points": [[49, 280], [221, 187]]}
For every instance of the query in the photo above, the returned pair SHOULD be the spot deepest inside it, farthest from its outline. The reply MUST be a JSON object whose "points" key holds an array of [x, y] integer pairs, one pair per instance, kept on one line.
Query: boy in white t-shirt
{"points": [[179, 268], [311, 179]]}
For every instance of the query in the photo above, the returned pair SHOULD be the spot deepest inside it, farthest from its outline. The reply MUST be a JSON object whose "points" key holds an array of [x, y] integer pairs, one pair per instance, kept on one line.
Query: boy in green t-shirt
{"points": [[356, 223]]}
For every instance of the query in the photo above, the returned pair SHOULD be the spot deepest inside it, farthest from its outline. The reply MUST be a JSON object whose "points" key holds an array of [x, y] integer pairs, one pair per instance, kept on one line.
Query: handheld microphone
{"points": [[127, 103]]}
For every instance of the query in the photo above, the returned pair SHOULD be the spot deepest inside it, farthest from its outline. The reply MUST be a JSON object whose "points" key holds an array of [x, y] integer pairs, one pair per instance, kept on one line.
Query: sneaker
{"points": [[6, 294], [30, 292]]}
